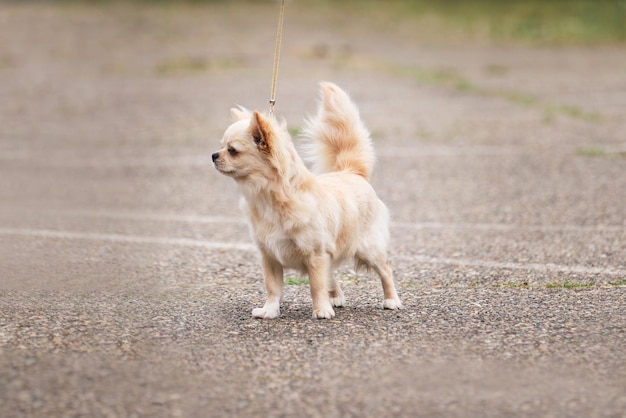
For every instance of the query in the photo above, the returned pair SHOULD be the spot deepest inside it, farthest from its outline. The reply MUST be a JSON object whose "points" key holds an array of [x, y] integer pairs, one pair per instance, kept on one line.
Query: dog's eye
{"points": [[232, 151]]}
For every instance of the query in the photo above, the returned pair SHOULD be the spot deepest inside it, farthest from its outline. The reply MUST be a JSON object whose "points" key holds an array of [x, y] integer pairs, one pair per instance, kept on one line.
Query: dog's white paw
{"points": [[392, 304], [338, 300], [326, 313], [266, 313]]}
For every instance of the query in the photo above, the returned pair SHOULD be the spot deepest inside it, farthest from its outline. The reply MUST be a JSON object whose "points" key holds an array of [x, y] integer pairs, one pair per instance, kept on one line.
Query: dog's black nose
{"points": [[215, 156]]}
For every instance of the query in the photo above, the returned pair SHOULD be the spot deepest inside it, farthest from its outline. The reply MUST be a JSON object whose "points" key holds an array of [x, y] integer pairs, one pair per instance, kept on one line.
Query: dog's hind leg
{"points": [[392, 301], [273, 274], [378, 262], [335, 293]]}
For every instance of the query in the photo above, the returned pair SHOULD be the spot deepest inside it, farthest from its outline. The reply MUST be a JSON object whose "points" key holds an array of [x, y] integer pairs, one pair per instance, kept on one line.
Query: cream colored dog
{"points": [[311, 223]]}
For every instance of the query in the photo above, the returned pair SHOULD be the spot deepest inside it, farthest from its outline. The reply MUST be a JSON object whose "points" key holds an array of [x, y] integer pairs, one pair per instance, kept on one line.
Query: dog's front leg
{"points": [[319, 269], [273, 274]]}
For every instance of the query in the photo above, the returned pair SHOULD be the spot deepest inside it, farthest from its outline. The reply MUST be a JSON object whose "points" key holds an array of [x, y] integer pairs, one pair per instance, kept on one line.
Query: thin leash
{"points": [[279, 36]]}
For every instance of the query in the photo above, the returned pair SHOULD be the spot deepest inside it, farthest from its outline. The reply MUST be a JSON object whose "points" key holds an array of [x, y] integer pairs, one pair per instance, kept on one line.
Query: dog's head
{"points": [[253, 147]]}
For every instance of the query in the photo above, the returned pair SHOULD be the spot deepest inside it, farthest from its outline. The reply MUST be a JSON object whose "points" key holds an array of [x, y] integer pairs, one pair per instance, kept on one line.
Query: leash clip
{"points": [[272, 103]]}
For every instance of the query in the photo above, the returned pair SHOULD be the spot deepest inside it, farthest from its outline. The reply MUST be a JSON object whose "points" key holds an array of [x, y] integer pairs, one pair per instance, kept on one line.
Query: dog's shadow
{"points": [[298, 311], [297, 305]]}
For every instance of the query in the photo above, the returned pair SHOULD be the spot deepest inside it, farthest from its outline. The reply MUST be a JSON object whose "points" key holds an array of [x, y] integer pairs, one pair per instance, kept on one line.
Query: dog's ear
{"points": [[239, 113], [261, 131]]}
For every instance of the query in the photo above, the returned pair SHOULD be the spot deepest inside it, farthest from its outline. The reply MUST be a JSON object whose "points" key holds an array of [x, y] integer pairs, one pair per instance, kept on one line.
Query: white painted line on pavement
{"points": [[560, 268], [241, 246], [448, 151], [162, 217], [509, 227], [186, 242]]}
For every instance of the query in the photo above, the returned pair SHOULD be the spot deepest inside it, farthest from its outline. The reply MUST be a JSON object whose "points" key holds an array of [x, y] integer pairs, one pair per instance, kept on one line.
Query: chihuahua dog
{"points": [[311, 221]]}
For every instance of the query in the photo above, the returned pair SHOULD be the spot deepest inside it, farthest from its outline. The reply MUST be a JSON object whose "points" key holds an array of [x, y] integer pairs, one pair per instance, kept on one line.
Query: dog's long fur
{"points": [[305, 221]]}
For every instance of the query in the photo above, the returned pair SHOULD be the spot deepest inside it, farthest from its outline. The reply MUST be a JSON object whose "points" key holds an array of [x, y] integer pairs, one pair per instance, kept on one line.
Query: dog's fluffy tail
{"points": [[336, 139]]}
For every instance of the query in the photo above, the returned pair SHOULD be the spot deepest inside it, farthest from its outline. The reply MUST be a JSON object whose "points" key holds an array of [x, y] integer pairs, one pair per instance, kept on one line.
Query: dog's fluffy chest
{"points": [[288, 247], [288, 239]]}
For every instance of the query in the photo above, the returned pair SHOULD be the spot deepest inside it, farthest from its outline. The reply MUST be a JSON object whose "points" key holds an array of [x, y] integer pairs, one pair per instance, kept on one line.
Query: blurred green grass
{"points": [[533, 21], [536, 21]]}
